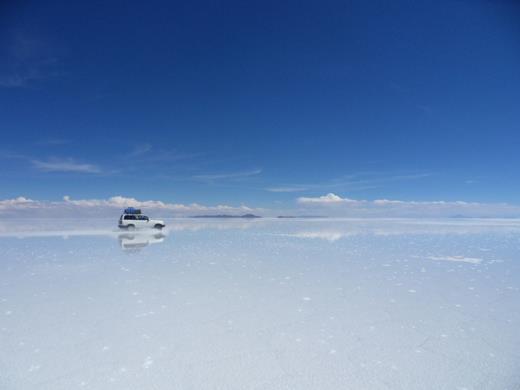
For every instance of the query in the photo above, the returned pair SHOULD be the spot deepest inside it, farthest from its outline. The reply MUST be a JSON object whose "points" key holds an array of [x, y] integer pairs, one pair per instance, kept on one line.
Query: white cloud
{"points": [[351, 182], [331, 205], [52, 164], [285, 189], [19, 202], [120, 202], [65, 165], [383, 202], [140, 150], [337, 206], [229, 175], [22, 206], [26, 59], [330, 198]]}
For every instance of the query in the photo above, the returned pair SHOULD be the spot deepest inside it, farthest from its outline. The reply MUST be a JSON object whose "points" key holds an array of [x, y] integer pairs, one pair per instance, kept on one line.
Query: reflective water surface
{"points": [[262, 304]]}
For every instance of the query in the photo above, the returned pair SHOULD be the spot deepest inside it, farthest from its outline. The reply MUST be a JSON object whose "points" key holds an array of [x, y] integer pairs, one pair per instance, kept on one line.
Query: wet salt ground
{"points": [[266, 304]]}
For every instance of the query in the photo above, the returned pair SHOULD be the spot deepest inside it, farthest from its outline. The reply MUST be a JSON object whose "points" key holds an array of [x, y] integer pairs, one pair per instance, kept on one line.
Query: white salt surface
{"points": [[264, 304]]}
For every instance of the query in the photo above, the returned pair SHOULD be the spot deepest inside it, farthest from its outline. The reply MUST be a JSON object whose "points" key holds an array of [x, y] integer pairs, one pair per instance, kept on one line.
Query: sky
{"points": [[261, 105]]}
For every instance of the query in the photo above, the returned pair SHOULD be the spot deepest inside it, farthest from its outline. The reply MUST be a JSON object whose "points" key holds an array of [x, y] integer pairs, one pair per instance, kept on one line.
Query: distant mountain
{"points": [[227, 216]]}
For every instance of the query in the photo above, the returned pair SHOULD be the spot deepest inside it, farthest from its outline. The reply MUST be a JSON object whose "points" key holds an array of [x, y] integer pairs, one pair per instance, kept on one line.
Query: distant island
{"points": [[227, 216]]}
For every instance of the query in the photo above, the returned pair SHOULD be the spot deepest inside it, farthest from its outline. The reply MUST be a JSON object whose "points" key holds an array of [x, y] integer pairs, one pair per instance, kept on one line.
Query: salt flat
{"points": [[261, 304]]}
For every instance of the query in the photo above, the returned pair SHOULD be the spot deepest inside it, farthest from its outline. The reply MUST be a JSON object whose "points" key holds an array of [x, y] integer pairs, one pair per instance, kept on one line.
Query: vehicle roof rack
{"points": [[131, 210]]}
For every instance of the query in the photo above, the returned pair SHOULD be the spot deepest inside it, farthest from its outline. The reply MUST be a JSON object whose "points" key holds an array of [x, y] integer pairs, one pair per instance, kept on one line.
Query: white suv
{"points": [[133, 219]]}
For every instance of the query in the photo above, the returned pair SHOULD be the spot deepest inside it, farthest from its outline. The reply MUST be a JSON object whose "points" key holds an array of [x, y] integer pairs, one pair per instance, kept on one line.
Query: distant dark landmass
{"points": [[301, 216], [227, 216]]}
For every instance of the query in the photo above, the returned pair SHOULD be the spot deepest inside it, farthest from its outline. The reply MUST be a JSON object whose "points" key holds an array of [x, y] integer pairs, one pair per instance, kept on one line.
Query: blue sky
{"points": [[260, 103]]}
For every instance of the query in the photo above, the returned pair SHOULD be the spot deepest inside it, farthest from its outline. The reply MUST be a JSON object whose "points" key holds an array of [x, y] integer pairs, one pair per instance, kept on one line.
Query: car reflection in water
{"points": [[135, 242]]}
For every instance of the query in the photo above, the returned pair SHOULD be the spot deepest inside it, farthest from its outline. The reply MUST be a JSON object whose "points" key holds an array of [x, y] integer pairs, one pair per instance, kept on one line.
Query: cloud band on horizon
{"points": [[330, 205]]}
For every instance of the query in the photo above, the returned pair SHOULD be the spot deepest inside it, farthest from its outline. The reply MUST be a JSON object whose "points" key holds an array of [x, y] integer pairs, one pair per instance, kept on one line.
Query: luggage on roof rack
{"points": [[131, 210]]}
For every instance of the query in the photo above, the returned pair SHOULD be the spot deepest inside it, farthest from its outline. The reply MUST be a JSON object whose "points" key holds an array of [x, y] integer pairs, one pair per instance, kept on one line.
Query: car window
{"points": [[130, 217], [142, 218]]}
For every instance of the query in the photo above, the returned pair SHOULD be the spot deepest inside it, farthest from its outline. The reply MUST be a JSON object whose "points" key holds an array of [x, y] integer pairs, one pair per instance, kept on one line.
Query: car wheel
{"points": [[158, 226], [130, 227]]}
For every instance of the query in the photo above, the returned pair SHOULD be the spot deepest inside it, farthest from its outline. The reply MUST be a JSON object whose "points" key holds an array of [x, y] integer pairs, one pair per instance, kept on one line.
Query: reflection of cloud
{"points": [[198, 224], [335, 229], [462, 259], [47, 231], [128, 241], [330, 236], [327, 229], [47, 227]]}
